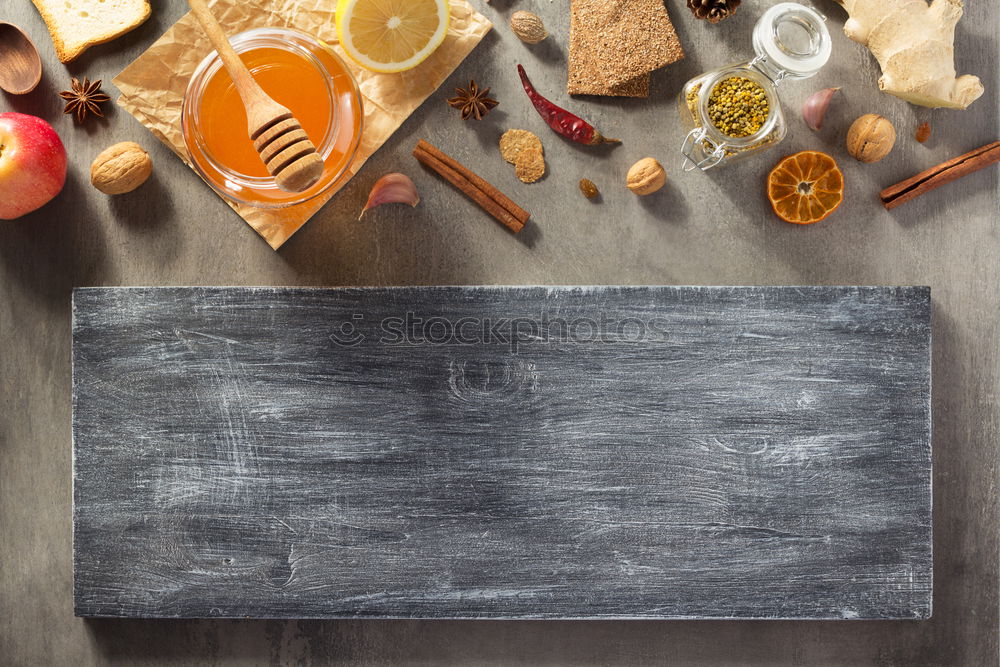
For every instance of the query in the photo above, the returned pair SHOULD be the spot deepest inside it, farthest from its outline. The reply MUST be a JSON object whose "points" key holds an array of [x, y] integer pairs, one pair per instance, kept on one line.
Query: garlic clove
{"points": [[814, 109], [392, 189]]}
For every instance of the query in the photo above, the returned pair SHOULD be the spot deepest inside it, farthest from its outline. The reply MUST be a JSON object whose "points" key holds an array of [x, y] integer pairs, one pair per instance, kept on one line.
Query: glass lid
{"points": [[791, 41]]}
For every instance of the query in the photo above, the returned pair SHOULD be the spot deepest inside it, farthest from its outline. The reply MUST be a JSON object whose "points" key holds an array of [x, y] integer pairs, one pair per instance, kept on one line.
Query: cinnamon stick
{"points": [[938, 175], [472, 185]]}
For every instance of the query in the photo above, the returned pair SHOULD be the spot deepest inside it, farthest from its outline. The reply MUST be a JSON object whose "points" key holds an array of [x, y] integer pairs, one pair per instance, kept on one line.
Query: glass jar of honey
{"points": [[299, 72], [734, 111]]}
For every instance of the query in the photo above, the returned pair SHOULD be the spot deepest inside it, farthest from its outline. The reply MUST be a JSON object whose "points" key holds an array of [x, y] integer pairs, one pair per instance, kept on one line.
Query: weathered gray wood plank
{"points": [[568, 453]]}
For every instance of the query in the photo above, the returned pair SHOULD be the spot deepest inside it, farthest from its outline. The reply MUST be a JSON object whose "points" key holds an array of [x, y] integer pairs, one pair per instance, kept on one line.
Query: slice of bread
{"points": [[77, 25]]}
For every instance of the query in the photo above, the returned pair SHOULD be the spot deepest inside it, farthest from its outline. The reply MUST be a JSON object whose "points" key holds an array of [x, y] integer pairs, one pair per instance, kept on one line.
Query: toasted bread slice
{"points": [[77, 25]]}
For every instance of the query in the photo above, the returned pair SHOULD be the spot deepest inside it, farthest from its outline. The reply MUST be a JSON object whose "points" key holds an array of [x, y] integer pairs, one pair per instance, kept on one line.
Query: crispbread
{"points": [[613, 43], [76, 25], [637, 87]]}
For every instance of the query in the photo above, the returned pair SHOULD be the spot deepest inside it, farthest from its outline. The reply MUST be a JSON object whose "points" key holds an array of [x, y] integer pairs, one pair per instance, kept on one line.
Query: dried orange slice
{"points": [[805, 188]]}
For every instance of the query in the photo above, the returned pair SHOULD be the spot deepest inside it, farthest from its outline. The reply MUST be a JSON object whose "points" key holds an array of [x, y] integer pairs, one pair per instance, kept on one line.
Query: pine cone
{"points": [[713, 10]]}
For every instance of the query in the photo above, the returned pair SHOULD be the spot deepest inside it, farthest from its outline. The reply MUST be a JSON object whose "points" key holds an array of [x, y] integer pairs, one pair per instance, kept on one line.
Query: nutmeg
{"points": [[870, 138], [120, 168], [646, 176], [528, 27]]}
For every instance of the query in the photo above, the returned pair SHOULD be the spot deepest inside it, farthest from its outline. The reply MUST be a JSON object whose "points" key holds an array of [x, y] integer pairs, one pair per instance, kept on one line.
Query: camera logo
{"points": [[347, 335]]}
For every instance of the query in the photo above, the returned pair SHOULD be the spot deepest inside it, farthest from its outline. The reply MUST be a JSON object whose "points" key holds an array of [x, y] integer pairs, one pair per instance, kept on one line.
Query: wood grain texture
{"points": [[700, 452]]}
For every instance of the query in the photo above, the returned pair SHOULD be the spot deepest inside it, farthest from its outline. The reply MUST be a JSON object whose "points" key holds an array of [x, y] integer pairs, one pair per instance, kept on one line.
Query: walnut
{"points": [[528, 27], [870, 138], [121, 168], [646, 176]]}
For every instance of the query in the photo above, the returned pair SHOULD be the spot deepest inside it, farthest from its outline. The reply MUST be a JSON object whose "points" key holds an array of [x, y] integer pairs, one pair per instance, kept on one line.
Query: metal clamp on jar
{"points": [[734, 111]]}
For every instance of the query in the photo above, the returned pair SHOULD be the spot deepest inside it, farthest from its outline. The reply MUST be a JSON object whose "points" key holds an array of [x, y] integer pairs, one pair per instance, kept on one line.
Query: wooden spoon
{"points": [[288, 153], [20, 66]]}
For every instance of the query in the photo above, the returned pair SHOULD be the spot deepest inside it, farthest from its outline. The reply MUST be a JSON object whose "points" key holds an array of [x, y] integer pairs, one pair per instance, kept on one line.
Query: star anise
{"points": [[474, 103], [84, 98]]}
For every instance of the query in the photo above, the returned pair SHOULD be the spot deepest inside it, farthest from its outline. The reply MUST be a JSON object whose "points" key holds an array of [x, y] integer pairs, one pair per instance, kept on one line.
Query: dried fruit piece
{"points": [[524, 150], [870, 138], [392, 189], [528, 27], [923, 132], [646, 176], [120, 168], [805, 188], [588, 188]]}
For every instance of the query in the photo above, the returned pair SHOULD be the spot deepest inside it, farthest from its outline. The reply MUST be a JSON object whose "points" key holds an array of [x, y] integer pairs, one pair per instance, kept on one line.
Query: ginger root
{"points": [[914, 44]]}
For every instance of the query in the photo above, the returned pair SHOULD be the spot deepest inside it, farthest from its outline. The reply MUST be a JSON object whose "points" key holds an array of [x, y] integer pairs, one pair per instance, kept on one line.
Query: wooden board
{"points": [[633, 452]]}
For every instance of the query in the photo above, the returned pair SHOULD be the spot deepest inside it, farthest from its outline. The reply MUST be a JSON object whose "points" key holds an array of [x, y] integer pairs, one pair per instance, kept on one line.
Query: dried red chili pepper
{"points": [[565, 123]]}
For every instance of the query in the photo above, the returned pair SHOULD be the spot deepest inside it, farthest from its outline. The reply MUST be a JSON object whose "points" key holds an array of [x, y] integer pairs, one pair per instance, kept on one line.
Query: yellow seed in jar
{"points": [[738, 106]]}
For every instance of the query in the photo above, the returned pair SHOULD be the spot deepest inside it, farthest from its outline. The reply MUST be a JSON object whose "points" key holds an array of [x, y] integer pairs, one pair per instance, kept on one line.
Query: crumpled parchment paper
{"points": [[152, 88]]}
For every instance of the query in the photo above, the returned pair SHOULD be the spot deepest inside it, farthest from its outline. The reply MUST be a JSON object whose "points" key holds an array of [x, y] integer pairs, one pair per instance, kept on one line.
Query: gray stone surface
{"points": [[713, 229], [502, 452]]}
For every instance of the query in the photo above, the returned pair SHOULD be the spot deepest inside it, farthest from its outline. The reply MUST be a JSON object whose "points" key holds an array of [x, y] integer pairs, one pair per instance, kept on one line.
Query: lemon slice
{"points": [[391, 35]]}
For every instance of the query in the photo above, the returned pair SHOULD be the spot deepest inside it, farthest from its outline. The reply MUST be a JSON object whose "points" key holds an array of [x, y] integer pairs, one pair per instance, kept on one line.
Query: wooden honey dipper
{"points": [[288, 153]]}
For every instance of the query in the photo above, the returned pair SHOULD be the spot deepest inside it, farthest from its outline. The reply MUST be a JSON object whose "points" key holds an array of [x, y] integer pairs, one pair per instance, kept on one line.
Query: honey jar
{"points": [[296, 70], [734, 111]]}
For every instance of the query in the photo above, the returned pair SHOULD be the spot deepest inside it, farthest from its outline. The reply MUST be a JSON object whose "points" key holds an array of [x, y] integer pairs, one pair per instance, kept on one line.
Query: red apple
{"points": [[32, 164]]}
